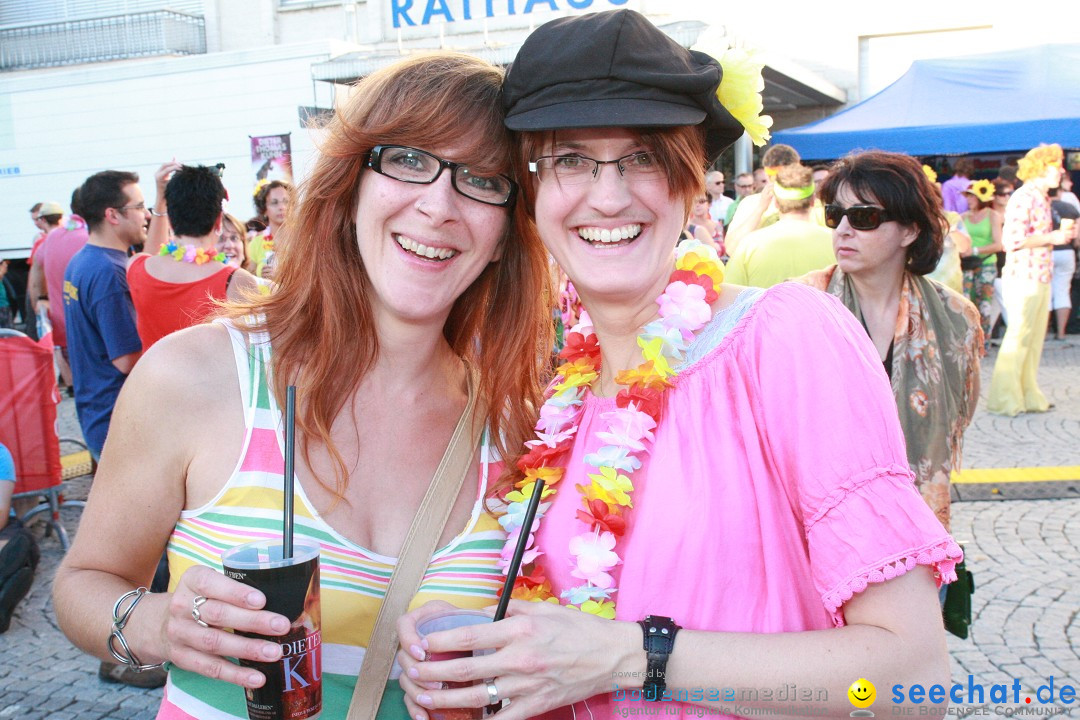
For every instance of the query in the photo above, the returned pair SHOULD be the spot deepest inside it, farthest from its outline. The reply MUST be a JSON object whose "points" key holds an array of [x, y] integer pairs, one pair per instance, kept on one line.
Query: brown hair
{"points": [[779, 155], [794, 177], [264, 193], [239, 228], [680, 151], [319, 318], [897, 183], [964, 167]]}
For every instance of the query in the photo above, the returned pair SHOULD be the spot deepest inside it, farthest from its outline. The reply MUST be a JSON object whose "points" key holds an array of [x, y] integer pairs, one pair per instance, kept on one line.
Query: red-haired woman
{"points": [[399, 279], [983, 225]]}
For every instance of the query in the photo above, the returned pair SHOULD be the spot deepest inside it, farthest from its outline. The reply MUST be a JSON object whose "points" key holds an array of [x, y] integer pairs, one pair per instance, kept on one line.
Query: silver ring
{"points": [[493, 692], [197, 603]]}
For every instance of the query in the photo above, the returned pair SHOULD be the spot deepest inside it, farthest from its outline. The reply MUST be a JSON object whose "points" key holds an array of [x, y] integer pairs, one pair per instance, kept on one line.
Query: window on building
{"points": [[34, 12]]}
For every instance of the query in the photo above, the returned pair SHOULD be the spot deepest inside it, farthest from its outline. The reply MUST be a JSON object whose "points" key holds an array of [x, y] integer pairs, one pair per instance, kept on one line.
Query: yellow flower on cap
{"points": [[982, 189], [740, 92]]}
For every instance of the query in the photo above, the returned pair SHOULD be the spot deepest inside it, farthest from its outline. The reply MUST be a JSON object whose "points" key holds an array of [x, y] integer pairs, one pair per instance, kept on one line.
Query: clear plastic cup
{"points": [[449, 620]]}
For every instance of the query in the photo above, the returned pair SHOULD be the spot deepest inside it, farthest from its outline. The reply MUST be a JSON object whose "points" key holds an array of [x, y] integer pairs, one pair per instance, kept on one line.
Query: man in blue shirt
{"points": [[103, 343]]}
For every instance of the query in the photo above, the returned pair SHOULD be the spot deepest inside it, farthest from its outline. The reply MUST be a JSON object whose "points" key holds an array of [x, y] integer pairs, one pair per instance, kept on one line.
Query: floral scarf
{"points": [[937, 344]]}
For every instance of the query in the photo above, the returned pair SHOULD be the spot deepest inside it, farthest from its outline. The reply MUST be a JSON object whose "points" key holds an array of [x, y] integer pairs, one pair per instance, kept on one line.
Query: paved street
{"points": [[1023, 553]]}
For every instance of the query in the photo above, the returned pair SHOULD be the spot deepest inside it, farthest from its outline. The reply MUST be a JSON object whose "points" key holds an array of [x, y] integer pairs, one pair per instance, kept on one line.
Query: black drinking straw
{"points": [[290, 449], [519, 551]]}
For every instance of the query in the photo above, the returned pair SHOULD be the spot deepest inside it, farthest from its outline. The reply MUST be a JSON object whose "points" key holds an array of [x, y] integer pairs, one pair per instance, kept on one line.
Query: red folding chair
{"points": [[28, 400]]}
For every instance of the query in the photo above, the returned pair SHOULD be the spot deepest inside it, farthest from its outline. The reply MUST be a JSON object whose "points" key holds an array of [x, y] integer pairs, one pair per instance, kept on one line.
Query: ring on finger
{"points": [[197, 603], [493, 692]]}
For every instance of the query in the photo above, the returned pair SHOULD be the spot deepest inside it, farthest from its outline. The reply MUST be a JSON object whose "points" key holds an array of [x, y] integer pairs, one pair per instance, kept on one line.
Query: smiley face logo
{"points": [[862, 693]]}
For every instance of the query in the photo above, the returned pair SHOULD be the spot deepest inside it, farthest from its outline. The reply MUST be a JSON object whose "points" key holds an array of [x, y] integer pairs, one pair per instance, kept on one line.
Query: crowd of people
{"points": [[457, 225]]}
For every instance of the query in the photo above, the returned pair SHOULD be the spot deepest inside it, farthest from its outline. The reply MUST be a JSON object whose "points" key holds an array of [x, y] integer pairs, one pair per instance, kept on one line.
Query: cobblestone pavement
{"points": [[1023, 553]]}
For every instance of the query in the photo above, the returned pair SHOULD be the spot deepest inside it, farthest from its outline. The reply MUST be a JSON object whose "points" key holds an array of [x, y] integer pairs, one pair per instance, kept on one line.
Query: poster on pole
{"points": [[271, 157]]}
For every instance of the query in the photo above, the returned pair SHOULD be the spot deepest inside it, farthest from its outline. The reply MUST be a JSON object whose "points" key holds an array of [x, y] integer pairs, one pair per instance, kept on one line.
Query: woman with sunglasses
{"points": [[712, 453], [401, 292], [888, 229]]}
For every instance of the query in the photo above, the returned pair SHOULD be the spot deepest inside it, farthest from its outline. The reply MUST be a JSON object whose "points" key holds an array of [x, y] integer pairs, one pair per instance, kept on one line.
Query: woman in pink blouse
{"points": [[742, 515], [1025, 284]]}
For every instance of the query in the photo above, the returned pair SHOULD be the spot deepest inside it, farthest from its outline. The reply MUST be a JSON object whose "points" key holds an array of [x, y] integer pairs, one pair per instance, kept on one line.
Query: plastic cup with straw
{"points": [[290, 582]]}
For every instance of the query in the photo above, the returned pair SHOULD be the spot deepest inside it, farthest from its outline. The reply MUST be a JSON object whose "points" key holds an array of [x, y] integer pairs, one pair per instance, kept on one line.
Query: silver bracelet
{"points": [[117, 635], [155, 213]]}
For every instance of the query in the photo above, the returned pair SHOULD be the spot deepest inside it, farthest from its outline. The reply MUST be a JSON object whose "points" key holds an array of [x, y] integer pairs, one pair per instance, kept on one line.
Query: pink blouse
{"points": [[777, 486]]}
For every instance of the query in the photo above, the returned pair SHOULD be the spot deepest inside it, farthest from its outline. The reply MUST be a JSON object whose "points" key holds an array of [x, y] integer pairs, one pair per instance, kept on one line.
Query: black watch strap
{"points": [[658, 640]]}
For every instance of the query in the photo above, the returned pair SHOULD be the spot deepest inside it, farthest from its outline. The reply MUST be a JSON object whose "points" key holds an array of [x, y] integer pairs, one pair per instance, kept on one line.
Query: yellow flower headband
{"points": [[740, 92], [931, 175], [259, 186], [795, 193], [982, 189]]}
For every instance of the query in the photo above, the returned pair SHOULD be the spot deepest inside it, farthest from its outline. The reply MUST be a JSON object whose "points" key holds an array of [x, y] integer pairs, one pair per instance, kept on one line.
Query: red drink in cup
{"points": [[448, 620], [293, 688]]}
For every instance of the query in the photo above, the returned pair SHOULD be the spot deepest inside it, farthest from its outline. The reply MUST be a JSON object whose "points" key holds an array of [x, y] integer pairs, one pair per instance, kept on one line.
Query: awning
{"points": [[787, 86]]}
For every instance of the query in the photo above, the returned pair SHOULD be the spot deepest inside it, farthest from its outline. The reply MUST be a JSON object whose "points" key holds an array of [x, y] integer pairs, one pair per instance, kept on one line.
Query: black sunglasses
{"points": [[860, 217]]}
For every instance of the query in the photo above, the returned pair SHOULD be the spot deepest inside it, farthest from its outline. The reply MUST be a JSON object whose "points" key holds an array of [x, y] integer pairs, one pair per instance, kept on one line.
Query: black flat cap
{"points": [[614, 69]]}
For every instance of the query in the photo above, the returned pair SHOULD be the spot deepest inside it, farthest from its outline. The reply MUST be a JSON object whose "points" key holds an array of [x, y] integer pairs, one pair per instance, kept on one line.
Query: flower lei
{"points": [[684, 309], [190, 254]]}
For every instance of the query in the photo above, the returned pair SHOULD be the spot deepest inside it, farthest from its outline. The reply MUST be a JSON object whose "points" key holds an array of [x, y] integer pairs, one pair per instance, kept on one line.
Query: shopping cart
{"points": [[28, 400]]}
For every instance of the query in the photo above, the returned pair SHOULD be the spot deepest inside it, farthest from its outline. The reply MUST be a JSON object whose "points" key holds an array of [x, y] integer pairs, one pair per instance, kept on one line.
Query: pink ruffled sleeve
{"points": [[832, 427]]}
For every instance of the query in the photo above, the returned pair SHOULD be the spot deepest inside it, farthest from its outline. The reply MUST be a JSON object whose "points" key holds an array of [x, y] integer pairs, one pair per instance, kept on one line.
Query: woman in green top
{"points": [[983, 223]]}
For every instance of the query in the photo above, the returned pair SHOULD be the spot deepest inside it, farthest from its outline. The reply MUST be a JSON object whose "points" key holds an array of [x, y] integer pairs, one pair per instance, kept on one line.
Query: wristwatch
{"points": [[658, 640]]}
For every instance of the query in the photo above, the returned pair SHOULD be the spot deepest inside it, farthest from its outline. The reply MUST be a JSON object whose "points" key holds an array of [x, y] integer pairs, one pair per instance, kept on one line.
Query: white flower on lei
{"points": [[568, 397], [628, 427], [583, 593], [515, 516], [552, 439], [593, 556], [674, 339], [613, 456]]}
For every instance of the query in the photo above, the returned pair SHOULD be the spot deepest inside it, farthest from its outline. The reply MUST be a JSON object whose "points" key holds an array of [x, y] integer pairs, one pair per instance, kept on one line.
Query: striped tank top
{"points": [[353, 579]]}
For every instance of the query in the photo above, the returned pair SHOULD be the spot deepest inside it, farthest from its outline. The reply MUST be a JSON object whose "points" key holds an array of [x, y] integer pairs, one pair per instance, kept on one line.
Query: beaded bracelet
{"points": [[119, 621]]}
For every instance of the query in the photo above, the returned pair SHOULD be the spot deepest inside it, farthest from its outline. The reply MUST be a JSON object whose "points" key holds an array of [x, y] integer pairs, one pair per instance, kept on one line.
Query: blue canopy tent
{"points": [[998, 102]]}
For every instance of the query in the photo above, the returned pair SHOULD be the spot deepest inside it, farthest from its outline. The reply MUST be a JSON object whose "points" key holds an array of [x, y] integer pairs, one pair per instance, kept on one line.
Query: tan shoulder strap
{"points": [[415, 556]]}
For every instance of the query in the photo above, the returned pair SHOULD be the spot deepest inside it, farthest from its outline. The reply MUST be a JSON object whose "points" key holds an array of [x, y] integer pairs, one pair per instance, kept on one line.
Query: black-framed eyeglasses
{"points": [[860, 217], [573, 169], [1005, 193], [417, 166]]}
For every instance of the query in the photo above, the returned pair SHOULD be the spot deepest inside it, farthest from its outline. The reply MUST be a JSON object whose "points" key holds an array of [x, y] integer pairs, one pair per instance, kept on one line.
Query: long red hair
{"points": [[319, 319]]}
